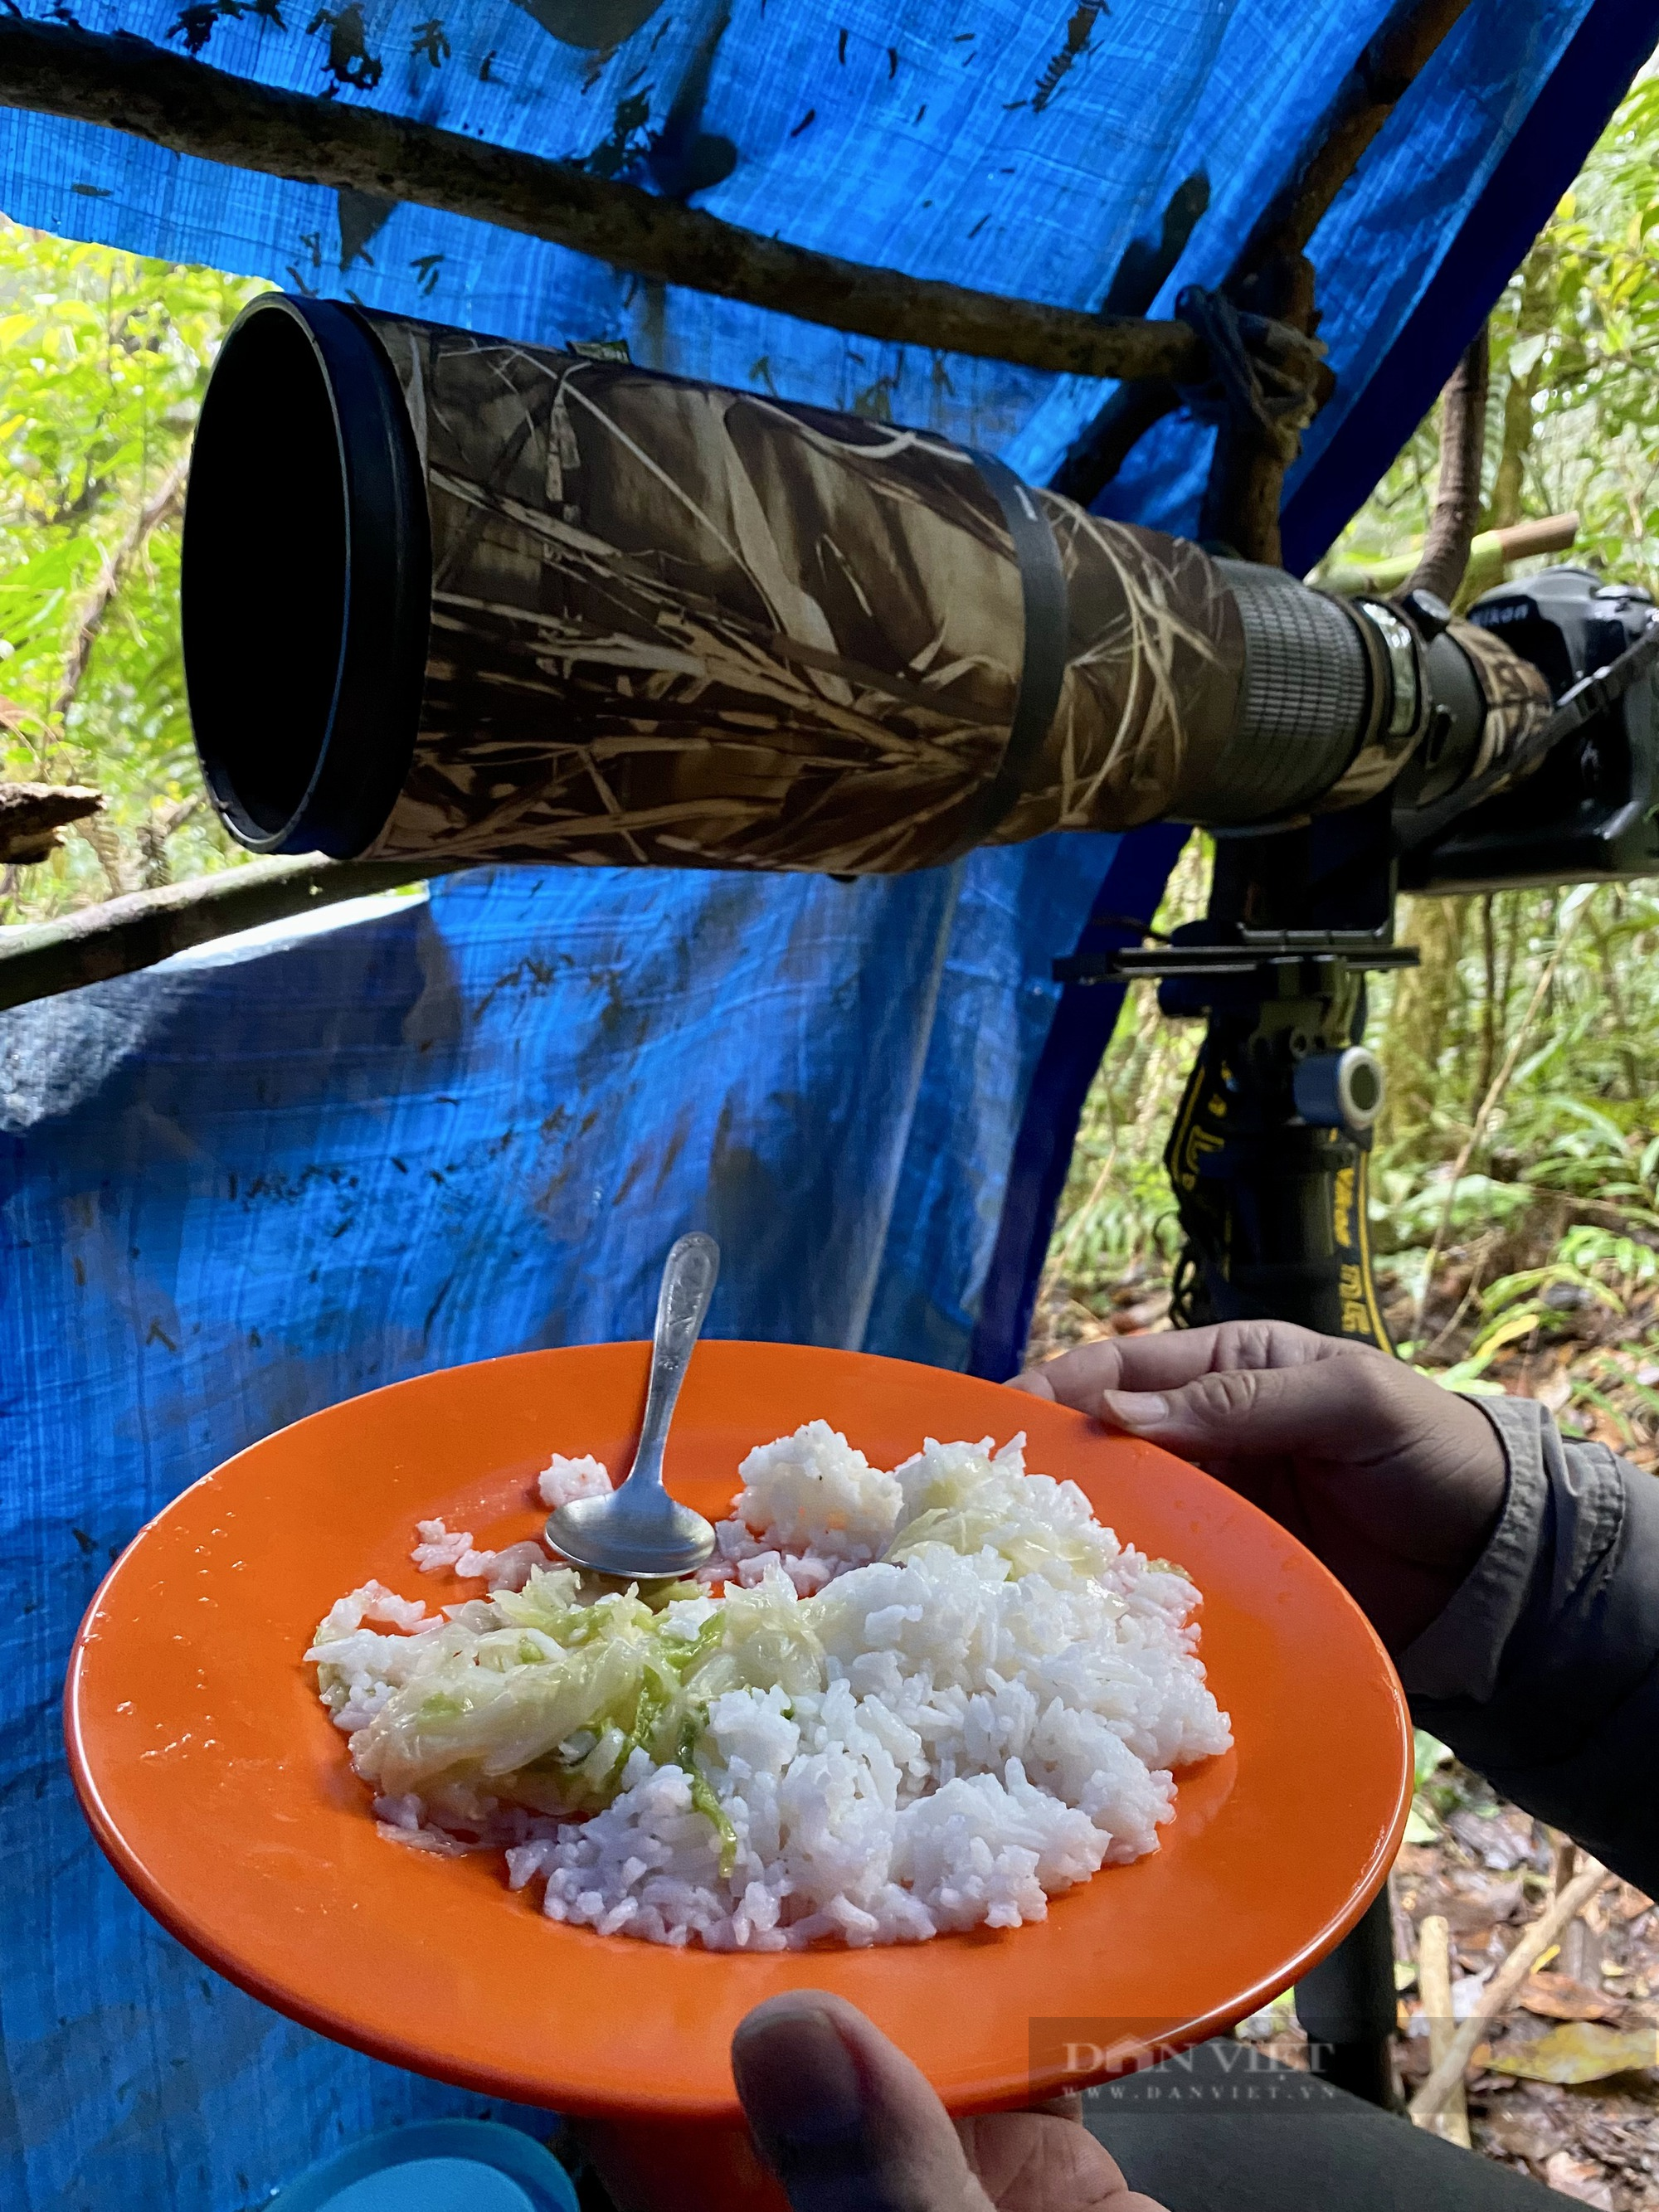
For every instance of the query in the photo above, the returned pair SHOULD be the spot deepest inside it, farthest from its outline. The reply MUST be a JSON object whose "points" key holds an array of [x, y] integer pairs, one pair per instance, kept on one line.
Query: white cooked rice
{"points": [[950, 1694]]}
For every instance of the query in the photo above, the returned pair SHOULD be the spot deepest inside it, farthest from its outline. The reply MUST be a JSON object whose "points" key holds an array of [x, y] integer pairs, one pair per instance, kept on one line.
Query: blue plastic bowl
{"points": [[440, 2165]]}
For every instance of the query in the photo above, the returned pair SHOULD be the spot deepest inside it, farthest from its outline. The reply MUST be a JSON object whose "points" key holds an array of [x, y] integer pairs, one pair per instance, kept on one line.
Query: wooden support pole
{"points": [[1270, 274], [1099, 451], [125, 934], [1389, 64], [126, 84]]}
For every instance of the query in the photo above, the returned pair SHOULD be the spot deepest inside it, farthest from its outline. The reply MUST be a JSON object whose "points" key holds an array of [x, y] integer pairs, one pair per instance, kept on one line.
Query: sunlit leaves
{"points": [[103, 360]]}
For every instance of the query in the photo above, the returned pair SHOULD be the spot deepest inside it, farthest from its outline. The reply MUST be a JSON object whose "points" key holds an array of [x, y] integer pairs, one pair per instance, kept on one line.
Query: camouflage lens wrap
{"points": [[1516, 695], [679, 626]]}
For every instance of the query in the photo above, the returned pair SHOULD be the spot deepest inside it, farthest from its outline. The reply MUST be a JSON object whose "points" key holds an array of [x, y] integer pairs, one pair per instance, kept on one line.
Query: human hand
{"points": [[848, 2124], [1394, 1483]]}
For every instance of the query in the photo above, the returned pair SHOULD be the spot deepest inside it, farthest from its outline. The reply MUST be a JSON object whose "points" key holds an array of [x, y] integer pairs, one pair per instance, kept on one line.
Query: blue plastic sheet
{"points": [[274, 1173], [1016, 147], [265, 1176]]}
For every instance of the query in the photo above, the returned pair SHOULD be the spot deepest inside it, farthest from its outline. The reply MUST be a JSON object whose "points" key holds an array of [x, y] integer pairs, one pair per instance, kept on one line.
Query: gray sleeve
{"points": [[1543, 1672]]}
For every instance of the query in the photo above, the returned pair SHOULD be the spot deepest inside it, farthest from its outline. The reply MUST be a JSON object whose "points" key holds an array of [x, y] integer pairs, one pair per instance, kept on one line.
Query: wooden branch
{"points": [[1506, 1983], [135, 932], [1100, 450], [1269, 274], [162, 504], [31, 814], [126, 84], [1245, 491], [1451, 2119], [1388, 67], [1273, 277], [1445, 559]]}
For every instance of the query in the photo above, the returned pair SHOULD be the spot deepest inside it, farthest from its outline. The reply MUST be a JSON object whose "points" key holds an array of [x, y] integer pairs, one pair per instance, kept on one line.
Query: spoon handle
{"points": [[689, 1276]]}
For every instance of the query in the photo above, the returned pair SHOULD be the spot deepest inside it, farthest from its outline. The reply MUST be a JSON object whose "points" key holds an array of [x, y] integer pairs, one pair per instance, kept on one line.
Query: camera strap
{"points": [[1043, 658]]}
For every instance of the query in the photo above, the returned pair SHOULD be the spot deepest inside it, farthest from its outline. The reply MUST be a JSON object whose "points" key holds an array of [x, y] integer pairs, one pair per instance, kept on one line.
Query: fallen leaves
{"points": [[1557, 1996], [1523, 2136], [1493, 1840], [1603, 2128], [1419, 1825], [1578, 2177], [1579, 2051]]}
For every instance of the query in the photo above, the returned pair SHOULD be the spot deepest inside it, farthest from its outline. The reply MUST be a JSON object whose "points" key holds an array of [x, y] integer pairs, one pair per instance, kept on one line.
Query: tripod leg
{"points": [[1348, 2006], [1274, 1213]]}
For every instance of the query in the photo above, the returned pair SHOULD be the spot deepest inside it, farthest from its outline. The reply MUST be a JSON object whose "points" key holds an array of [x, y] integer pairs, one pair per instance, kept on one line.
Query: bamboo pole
{"points": [[125, 934], [1490, 552], [126, 84]]}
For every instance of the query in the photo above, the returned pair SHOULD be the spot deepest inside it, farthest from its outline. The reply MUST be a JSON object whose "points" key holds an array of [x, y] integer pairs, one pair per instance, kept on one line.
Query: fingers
{"points": [[1169, 1358], [1031, 2162], [1339, 1409], [848, 2124], [1077, 1377], [844, 2119]]}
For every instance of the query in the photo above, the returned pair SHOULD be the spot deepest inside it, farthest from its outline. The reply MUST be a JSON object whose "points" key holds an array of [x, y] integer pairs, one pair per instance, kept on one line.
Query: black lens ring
{"points": [[364, 750]]}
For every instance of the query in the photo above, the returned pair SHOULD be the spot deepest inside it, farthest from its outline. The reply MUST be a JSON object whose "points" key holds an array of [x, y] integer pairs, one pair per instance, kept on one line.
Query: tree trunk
{"points": [[1426, 1007]]}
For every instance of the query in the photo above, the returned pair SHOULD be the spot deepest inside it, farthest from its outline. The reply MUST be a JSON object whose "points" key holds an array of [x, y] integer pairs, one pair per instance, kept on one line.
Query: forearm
{"points": [[1543, 1672]]}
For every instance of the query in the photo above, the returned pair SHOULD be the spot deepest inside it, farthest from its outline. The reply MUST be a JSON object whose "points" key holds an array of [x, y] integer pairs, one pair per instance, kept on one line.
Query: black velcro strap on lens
{"points": [[1043, 664]]}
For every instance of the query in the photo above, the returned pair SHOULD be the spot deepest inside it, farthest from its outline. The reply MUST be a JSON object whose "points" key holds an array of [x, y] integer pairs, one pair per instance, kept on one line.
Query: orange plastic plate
{"points": [[218, 1787]]}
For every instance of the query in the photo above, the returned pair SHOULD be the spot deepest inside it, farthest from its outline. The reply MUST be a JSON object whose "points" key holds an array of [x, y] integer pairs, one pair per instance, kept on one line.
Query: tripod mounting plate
{"points": [[1282, 963]]}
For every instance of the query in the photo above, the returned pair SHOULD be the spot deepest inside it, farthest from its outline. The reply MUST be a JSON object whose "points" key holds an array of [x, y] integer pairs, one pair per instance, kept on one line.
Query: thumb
{"points": [[1332, 1409], [843, 2118]]}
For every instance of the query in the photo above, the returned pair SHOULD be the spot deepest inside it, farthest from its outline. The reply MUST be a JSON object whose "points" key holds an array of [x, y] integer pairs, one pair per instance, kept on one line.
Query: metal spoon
{"points": [[639, 1531]]}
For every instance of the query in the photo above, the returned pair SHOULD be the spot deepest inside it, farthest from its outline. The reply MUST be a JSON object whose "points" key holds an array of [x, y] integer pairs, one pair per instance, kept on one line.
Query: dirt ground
{"points": [[1485, 1866]]}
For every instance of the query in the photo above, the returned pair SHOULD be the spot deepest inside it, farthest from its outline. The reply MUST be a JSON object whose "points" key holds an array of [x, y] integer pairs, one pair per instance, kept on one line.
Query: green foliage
{"points": [[1573, 419], [1589, 363], [103, 360], [1432, 1796]]}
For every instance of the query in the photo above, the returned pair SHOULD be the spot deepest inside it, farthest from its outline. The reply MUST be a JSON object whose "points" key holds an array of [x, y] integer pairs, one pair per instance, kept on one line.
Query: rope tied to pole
{"points": [[1256, 383]]}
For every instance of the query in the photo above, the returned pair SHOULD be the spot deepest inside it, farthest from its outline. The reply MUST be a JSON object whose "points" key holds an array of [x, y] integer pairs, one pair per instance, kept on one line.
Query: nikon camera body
{"points": [[1587, 813]]}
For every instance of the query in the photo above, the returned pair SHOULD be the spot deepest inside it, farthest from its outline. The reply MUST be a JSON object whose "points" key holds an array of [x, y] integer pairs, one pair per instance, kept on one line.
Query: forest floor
{"points": [[1592, 2008], [1571, 2095]]}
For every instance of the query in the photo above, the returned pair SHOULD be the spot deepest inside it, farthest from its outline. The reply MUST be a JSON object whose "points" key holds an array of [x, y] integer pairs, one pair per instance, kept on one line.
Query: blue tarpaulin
{"points": [[315, 1159]]}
